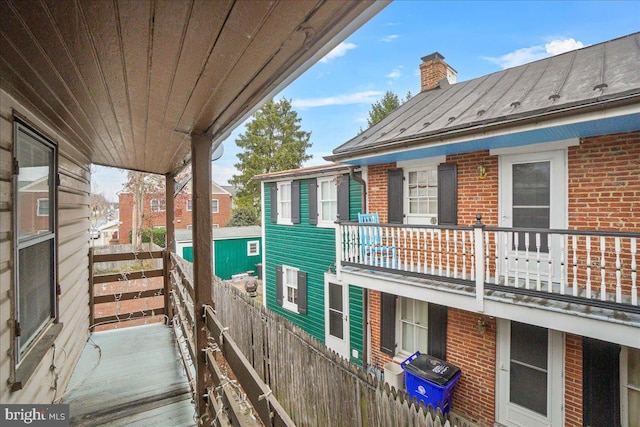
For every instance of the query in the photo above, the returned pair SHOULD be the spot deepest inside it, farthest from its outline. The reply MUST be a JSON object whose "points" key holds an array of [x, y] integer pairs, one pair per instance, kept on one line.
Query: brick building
{"points": [[154, 210], [536, 300]]}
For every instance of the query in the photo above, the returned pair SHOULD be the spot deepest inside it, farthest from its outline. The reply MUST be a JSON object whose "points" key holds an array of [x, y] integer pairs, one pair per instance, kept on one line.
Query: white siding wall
{"points": [[73, 273]]}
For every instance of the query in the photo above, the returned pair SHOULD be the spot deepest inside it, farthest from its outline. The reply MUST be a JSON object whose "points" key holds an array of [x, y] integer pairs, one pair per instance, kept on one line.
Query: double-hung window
{"points": [[189, 205], [284, 202], [290, 288], [214, 206], [421, 195], [35, 280], [327, 201], [413, 326], [158, 205]]}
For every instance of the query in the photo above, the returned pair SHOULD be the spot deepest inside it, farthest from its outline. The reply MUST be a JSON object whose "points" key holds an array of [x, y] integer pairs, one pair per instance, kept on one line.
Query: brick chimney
{"points": [[433, 70]]}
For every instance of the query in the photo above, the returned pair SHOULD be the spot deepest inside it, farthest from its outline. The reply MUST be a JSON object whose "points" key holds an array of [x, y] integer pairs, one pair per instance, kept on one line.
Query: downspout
{"points": [[365, 293], [363, 184]]}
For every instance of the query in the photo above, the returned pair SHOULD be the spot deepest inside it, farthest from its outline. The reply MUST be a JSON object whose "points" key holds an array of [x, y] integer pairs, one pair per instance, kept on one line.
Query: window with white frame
{"points": [[284, 202], [189, 227], [189, 205], [253, 248], [630, 386], [214, 206], [158, 205], [290, 288], [421, 195], [43, 207], [327, 201], [413, 326], [35, 231], [215, 225]]}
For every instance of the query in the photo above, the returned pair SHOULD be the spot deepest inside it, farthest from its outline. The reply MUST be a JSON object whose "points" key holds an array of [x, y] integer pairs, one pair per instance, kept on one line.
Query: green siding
{"points": [[356, 323], [231, 257], [306, 247]]}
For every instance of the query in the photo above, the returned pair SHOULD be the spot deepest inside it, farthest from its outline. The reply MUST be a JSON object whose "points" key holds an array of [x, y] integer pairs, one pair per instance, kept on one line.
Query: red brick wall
{"points": [[475, 195], [182, 217], [377, 189], [475, 353], [378, 358], [573, 381], [604, 183]]}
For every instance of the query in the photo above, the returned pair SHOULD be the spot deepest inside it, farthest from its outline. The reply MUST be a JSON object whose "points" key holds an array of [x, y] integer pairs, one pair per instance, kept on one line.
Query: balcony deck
{"points": [[131, 376]]}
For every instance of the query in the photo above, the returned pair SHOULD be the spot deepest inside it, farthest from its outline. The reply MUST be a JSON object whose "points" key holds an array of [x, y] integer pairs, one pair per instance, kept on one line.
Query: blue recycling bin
{"points": [[431, 380]]}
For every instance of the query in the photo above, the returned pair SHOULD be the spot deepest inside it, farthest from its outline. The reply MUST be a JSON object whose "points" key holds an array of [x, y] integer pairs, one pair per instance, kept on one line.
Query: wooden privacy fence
{"points": [[314, 385]]}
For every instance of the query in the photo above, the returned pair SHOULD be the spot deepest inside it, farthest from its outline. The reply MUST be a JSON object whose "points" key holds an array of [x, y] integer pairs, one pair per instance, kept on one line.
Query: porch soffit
{"points": [[126, 82]]}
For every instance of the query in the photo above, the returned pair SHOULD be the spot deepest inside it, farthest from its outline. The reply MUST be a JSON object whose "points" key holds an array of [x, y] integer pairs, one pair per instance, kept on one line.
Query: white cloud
{"points": [[557, 47], [338, 51], [394, 74], [389, 38], [366, 97], [221, 174], [533, 53]]}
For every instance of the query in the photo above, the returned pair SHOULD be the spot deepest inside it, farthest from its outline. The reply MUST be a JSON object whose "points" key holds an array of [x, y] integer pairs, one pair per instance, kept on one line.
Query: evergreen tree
{"points": [[381, 109], [273, 141]]}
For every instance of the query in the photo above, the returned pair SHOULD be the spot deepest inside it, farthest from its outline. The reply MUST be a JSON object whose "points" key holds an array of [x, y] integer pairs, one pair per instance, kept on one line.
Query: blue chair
{"points": [[376, 249]]}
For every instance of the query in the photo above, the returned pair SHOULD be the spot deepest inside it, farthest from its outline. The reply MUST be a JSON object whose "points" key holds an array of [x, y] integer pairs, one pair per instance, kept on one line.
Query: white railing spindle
{"points": [[526, 257], [574, 244], [618, 272], [588, 247], [634, 274]]}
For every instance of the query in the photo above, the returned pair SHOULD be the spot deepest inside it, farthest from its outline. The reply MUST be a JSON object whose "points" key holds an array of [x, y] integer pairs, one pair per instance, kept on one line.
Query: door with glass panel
{"points": [[533, 193], [529, 373], [337, 317]]}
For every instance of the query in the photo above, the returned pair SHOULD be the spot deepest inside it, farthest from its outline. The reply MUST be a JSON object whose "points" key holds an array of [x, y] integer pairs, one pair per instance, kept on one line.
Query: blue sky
{"points": [[476, 38]]}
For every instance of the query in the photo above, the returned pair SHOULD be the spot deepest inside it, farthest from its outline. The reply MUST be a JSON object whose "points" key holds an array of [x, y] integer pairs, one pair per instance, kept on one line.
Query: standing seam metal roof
{"points": [[602, 72]]}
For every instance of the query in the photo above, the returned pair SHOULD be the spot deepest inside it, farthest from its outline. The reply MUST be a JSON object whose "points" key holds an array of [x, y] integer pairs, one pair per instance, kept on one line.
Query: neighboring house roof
{"points": [[230, 189], [595, 78], [110, 224], [302, 172], [223, 233]]}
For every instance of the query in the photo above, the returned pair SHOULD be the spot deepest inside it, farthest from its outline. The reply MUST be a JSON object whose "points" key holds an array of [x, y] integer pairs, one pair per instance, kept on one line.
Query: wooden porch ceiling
{"points": [[127, 81]]}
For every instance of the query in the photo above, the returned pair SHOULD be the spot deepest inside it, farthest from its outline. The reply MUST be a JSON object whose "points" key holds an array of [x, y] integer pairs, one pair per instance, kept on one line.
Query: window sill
{"points": [[30, 362], [326, 224], [291, 308]]}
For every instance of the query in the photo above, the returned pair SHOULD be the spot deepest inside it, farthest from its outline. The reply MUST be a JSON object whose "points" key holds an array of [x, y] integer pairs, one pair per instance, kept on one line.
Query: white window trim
{"points": [[38, 207], [281, 220], [285, 301], [424, 219], [217, 204], [189, 205], [251, 252], [189, 227], [403, 354], [323, 223], [215, 225], [624, 387], [159, 208]]}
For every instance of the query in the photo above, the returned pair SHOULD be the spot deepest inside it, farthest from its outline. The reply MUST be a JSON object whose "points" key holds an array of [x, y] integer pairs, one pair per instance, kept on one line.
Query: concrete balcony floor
{"points": [[130, 377]]}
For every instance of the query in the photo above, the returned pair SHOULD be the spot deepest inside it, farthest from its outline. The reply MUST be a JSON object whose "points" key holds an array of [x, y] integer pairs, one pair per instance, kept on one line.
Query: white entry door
{"points": [[530, 364], [336, 316], [533, 194]]}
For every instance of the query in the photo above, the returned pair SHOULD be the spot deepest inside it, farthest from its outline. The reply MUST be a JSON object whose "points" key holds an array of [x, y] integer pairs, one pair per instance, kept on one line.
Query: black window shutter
{"points": [[437, 331], [388, 323], [274, 202], [302, 292], [343, 198], [295, 202], [313, 201], [448, 194], [395, 201], [601, 383], [279, 290]]}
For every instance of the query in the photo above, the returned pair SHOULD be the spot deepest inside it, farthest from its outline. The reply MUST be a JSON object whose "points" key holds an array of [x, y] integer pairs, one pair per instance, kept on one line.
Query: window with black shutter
{"points": [[343, 198], [388, 323], [395, 200], [273, 191], [448, 194], [313, 201], [438, 331], [295, 202]]}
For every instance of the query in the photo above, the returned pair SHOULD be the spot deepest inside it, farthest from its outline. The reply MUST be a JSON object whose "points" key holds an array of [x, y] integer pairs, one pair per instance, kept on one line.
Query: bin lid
{"points": [[431, 368]]}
